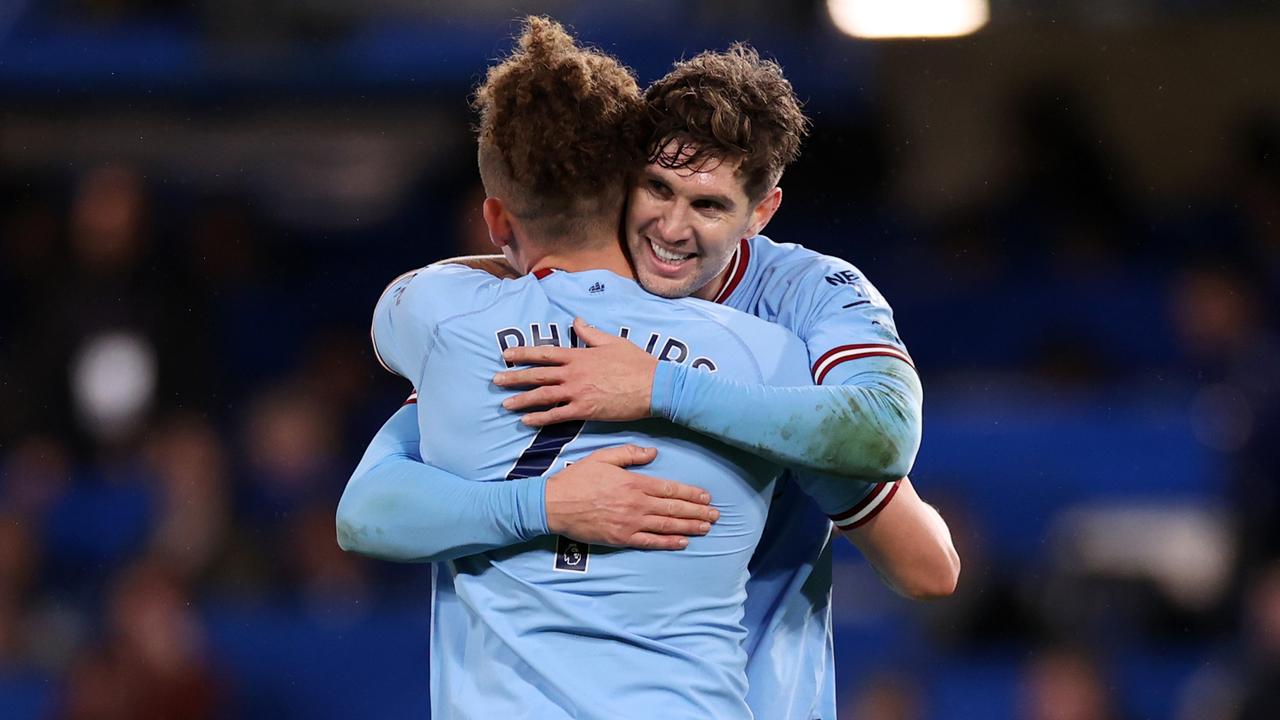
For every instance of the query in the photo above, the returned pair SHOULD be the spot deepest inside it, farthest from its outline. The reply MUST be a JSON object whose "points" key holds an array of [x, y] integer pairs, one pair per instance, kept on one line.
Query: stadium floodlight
{"points": [[880, 19]]}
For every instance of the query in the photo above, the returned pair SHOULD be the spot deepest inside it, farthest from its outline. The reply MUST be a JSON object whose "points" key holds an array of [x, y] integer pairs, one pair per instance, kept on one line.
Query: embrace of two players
{"points": [[632, 518]]}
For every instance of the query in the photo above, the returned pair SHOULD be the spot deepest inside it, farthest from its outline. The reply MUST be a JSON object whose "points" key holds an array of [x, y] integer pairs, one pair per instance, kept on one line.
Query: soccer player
{"points": [[553, 628], [707, 189], [692, 225]]}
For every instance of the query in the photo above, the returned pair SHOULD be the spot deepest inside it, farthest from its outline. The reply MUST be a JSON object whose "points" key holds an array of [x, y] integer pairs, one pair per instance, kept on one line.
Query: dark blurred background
{"points": [[1075, 213]]}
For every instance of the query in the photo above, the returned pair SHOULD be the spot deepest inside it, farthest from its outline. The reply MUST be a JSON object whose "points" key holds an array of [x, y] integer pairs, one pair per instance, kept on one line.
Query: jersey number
{"points": [[571, 555], [545, 448]]}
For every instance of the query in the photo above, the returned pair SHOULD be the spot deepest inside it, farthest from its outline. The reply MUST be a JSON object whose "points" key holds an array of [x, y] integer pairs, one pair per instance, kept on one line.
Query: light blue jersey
{"points": [[397, 508], [841, 317], [550, 628]]}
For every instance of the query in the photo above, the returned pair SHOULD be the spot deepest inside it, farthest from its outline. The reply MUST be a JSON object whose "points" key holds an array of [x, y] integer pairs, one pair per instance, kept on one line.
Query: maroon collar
{"points": [[738, 270]]}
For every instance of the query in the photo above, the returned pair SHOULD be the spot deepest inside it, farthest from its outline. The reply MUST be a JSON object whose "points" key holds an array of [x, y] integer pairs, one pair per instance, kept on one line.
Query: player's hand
{"points": [[611, 379], [495, 265], [596, 501]]}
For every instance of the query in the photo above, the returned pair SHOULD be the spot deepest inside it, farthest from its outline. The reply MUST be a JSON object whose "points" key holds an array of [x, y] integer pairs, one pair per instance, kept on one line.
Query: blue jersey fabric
{"points": [[548, 628], [826, 301], [841, 317]]}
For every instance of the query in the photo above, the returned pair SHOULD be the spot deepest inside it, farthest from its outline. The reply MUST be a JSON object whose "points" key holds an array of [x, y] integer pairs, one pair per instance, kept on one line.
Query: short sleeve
{"points": [[407, 315], [848, 504], [841, 317]]}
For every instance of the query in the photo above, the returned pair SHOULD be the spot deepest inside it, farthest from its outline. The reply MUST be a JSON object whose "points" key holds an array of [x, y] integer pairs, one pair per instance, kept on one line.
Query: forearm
{"points": [[867, 428], [397, 508]]}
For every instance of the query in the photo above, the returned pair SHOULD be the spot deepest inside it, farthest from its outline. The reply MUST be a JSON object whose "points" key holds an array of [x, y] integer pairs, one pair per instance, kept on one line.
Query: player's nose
{"points": [[674, 226]]}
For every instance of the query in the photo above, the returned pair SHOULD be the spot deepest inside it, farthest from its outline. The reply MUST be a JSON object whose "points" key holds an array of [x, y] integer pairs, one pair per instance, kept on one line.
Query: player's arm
{"points": [[865, 425], [909, 545], [396, 507], [904, 538], [863, 422]]}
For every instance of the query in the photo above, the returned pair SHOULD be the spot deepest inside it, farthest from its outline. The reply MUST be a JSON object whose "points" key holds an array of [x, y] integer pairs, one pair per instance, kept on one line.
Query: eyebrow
{"points": [[725, 202], [722, 199]]}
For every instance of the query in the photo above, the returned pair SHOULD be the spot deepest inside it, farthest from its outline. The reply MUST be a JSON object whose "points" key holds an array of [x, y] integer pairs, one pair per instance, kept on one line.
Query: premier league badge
{"points": [[571, 555]]}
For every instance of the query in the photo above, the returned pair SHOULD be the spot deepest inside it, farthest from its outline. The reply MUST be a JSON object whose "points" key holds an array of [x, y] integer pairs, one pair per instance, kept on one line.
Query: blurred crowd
{"points": [[186, 383], [163, 441]]}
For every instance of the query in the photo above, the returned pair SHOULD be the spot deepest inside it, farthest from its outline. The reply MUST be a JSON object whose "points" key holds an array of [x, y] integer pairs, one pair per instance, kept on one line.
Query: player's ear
{"points": [[498, 222], [763, 212]]}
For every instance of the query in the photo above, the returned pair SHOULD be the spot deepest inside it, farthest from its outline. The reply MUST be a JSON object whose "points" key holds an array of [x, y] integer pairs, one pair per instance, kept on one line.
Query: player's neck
{"points": [[608, 256]]}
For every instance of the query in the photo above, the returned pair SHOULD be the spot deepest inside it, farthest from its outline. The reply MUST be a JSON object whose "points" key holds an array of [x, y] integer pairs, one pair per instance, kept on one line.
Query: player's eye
{"points": [[657, 187], [710, 205]]}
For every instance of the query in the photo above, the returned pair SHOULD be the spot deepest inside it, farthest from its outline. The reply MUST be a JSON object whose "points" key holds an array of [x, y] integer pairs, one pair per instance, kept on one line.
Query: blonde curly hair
{"points": [[559, 132]]}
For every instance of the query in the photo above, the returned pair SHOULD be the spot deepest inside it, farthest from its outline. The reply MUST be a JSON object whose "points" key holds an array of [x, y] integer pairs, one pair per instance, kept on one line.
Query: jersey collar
{"points": [[737, 270]]}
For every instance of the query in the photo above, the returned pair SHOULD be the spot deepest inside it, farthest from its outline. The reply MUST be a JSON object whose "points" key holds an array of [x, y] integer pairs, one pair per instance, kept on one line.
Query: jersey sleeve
{"points": [[413, 306], [853, 342], [398, 328], [395, 507], [856, 423], [841, 317], [849, 504]]}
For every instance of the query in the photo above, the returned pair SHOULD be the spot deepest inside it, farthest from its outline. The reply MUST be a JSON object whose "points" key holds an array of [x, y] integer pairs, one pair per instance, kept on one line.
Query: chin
{"points": [[662, 286]]}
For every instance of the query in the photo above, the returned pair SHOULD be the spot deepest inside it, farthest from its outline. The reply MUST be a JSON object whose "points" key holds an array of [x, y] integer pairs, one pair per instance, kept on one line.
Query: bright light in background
{"points": [[908, 18], [113, 380]]}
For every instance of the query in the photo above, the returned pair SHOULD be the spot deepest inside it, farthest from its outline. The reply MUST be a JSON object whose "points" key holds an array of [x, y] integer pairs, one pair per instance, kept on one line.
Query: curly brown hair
{"points": [[726, 106], [559, 131]]}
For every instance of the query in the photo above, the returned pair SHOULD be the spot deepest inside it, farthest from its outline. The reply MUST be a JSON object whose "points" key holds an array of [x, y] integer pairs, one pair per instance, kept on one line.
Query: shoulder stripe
{"points": [[741, 257], [412, 399], [871, 505], [372, 341], [844, 353]]}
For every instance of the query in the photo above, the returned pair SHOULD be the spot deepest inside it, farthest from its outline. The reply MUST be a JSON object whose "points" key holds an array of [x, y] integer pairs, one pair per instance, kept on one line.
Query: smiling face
{"points": [[684, 223]]}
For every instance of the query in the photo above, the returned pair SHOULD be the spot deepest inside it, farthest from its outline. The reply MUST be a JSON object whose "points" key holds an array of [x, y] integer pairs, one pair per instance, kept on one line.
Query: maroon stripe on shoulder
{"points": [[411, 400], [541, 273], [861, 346], [818, 380], [741, 258]]}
